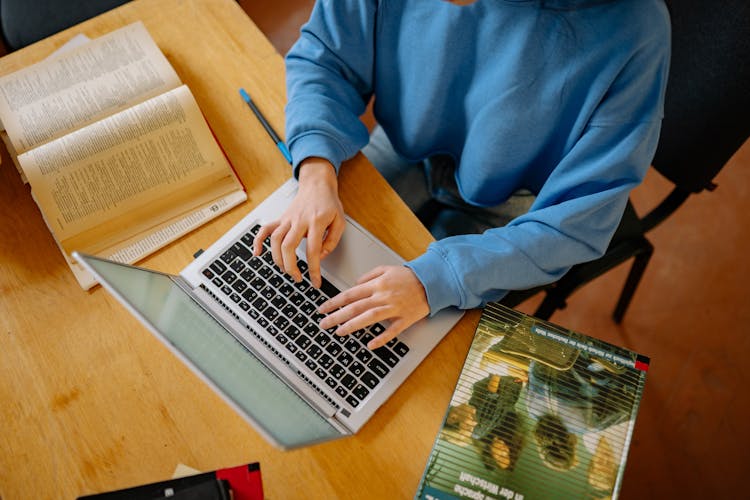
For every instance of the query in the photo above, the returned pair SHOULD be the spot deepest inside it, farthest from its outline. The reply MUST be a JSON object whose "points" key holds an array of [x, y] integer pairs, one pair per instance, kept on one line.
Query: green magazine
{"points": [[538, 412]]}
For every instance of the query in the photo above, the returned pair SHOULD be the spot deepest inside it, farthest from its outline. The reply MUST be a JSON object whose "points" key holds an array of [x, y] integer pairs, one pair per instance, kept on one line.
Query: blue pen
{"points": [[279, 143]]}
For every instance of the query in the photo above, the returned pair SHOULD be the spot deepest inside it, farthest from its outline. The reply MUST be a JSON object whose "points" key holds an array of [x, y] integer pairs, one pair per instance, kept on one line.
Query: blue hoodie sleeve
{"points": [[329, 81], [578, 207]]}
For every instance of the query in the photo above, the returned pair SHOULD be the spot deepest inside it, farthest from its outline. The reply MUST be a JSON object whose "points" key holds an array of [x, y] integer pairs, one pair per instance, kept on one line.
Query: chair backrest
{"points": [[26, 21], [707, 107]]}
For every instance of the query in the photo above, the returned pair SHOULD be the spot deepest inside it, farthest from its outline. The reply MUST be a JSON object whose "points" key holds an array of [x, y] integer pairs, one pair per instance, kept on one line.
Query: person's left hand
{"points": [[390, 293]]}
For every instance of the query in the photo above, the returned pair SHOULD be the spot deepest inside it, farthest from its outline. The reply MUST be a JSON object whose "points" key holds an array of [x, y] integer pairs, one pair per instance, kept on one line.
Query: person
{"points": [[562, 99]]}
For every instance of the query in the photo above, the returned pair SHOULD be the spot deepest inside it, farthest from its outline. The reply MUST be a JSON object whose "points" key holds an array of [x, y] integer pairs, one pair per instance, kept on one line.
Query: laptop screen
{"points": [[279, 412]]}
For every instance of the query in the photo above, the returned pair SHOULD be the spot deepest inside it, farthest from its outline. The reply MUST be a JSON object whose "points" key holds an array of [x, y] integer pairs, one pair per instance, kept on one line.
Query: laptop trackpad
{"points": [[356, 254]]}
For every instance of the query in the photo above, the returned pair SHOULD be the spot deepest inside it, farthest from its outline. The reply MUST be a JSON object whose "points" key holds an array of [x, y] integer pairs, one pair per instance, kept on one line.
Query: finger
{"points": [[344, 298], [289, 253], [263, 233], [393, 331], [313, 252], [366, 318], [371, 275], [333, 236], [344, 314], [277, 237]]}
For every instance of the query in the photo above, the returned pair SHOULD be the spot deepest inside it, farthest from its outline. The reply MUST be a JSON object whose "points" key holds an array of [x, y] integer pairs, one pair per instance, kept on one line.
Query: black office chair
{"points": [[706, 120], [24, 22]]}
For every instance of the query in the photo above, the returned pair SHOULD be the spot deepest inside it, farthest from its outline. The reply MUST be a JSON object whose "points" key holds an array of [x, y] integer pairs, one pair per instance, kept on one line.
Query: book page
{"points": [[126, 172], [58, 95]]}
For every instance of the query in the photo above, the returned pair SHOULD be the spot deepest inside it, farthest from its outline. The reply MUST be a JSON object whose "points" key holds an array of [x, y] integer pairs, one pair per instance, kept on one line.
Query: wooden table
{"points": [[90, 401]]}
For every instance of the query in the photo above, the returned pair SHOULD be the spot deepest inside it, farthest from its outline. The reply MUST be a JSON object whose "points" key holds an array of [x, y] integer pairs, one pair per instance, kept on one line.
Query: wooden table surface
{"points": [[90, 401]]}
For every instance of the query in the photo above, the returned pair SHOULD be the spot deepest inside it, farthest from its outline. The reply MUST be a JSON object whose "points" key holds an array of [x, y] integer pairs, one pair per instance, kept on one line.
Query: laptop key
{"points": [[314, 351], [308, 308], [386, 355], [259, 304], [361, 392], [337, 371], [271, 313], [242, 251], [328, 288], [292, 332], [334, 349], [297, 299], [345, 359], [303, 341], [237, 266], [370, 380], [281, 322], [348, 381], [218, 267], [353, 402], [289, 311], [351, 345], [228, 256], [278, 302], [357, 368], [299, 320], [401, 349], [380, 369], [322, 339], [326, 361], [364, 355]]}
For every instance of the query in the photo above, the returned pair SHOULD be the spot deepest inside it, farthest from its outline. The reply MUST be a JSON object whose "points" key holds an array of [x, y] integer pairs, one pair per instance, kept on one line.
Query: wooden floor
{"points": [[690, 315]]}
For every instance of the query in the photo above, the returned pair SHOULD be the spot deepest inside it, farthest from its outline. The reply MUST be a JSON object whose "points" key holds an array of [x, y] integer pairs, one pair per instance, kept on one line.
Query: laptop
{"points": [[251, 333]]}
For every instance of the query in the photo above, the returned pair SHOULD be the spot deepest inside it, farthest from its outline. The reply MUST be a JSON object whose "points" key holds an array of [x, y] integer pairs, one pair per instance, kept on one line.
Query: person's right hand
{"points": [[315, 213]]}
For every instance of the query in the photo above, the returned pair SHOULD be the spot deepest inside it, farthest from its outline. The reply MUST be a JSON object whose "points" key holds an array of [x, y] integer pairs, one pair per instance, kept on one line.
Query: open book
{"points": [[538, 412], [119, 157]]}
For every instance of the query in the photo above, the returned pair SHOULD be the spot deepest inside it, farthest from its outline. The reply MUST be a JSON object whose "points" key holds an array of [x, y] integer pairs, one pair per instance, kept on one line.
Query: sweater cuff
{"points": [[316, 145], [441, 287]]}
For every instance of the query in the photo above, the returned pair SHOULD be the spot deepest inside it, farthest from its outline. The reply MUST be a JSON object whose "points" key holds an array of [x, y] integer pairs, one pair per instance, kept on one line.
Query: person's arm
{"points": [[315, 213], [578, 207], [329, 81], [328, 84], [571, 221]]}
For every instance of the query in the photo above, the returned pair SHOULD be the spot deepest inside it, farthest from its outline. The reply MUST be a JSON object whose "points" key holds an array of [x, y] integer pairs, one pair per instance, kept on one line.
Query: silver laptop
{"points": [[251, 333]]}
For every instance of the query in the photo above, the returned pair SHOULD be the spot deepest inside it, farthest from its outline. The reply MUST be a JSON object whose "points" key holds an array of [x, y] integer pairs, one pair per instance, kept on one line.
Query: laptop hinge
{"points": [[248, 335]]}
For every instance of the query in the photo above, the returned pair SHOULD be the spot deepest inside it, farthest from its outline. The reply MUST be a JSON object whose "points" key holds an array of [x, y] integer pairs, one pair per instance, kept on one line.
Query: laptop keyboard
{"points": [[289, 312]]}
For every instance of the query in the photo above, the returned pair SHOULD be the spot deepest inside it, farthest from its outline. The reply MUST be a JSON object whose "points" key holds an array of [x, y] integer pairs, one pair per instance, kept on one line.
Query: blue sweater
{"points": [[564, 99]]}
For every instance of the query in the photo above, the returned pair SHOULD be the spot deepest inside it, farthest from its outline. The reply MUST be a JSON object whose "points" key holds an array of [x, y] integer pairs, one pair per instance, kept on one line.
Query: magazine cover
{"points": [[539, 412]]}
